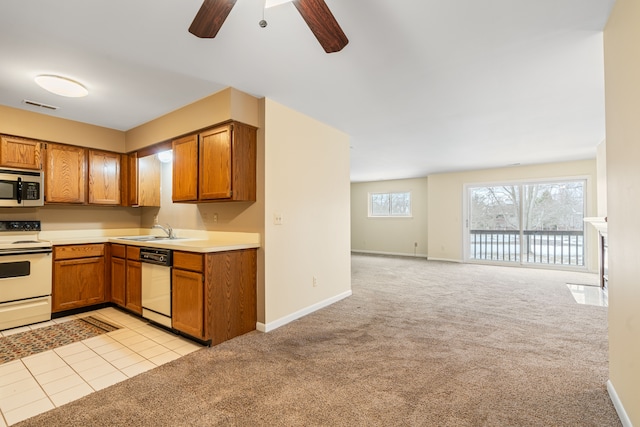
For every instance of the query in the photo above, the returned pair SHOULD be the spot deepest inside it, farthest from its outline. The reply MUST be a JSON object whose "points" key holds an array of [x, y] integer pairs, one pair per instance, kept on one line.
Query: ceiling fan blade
{"points": [[210, 18], [322, 23]]}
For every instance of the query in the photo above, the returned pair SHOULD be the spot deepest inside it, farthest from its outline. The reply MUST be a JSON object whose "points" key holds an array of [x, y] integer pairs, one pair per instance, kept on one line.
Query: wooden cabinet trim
{"points": [[118, 251], [133, 253], [78, 251], [188, 261]]}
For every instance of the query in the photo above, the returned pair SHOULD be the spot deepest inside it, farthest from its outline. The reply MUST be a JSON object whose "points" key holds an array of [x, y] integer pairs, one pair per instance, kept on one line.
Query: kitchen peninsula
{"points": [[213, 277]]}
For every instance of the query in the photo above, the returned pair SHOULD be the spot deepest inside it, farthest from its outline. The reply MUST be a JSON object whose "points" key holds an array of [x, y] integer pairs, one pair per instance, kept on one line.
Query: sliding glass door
{"points": [[537, 223]]}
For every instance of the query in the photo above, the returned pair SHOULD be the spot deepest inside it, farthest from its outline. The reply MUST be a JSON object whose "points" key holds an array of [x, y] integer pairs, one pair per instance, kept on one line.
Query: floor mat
{"points": [[38, 340]]}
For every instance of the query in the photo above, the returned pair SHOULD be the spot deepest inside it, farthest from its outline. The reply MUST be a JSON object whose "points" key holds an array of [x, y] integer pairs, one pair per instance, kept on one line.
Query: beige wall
{"points": [[236, 216], [65, 217], [53, 129], [622, 98], [221, 106], [395, 236], [445, 202], [307, 183]]}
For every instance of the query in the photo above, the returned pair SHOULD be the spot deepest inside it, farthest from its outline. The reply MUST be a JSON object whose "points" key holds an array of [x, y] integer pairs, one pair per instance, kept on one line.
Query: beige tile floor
{"points": [[43, 381]]}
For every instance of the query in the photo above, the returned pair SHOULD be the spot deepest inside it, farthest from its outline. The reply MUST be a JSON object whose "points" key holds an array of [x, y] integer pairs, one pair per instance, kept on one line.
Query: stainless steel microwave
{"points": [[21, 188]]}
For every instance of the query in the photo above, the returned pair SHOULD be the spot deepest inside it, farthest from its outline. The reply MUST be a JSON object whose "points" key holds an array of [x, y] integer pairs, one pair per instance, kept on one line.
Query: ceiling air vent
{"points": [[40, 104]]}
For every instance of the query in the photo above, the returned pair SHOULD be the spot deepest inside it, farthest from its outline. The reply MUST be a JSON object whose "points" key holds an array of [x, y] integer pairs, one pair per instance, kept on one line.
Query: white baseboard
{"points": [[301, 313], [358, 251], [622, 414], [444, 259]]}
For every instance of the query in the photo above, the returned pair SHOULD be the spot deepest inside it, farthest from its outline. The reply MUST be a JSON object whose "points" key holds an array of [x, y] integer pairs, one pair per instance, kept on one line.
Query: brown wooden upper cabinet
{"points": [[104, 178], [65, 174], [185, 169], [149, 177], [79, 175], [217, 164], [141, 178], [129, 179], [22, 153]]}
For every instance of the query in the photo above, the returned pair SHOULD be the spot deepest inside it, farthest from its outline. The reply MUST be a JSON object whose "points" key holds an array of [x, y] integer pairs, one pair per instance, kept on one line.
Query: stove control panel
{"points": [[20, 226]]}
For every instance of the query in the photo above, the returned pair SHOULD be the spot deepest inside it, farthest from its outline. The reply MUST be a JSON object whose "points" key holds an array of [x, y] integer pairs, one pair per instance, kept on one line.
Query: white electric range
{"points": [[25, 274]]}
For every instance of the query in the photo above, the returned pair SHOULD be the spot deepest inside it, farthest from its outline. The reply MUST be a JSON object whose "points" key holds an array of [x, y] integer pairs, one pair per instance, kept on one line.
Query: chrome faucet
{"points": [[168, 229]]}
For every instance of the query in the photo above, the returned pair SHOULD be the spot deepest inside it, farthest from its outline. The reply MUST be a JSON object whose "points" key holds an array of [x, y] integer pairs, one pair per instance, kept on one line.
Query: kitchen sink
{"points": [[148, 238]]}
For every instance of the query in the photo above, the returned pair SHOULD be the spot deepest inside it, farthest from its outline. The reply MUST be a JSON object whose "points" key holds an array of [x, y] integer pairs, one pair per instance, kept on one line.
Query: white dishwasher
{"points": [[156, 285]]}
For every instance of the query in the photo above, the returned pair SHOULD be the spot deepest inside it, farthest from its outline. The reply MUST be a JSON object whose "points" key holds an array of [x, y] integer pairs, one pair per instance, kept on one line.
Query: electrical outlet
{"points": [[415, 245], [215, 218], [277, 219], [315, 281]]}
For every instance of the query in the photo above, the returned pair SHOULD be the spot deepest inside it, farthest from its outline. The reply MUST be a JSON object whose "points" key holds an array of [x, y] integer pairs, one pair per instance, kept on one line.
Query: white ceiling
{"points": [[424, 86]]}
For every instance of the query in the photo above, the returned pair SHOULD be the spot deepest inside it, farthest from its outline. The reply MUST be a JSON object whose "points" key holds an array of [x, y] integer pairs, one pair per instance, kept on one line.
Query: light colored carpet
{"points": [[419, 343]]}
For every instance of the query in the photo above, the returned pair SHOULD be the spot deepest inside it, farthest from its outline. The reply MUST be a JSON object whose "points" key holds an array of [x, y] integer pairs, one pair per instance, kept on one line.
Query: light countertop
{"points": [[188, 240]]}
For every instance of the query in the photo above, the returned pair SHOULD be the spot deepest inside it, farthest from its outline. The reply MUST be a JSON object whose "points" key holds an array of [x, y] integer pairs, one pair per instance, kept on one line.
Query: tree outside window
{"points": [[397, 204]]}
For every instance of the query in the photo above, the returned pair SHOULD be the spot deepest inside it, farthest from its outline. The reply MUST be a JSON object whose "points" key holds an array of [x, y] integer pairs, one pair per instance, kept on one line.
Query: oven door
{"points": [[25, 289]]}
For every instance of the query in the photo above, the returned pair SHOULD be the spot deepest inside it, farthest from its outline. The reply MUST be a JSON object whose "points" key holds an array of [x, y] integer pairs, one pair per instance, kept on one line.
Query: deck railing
{"points": [[540, 247]]}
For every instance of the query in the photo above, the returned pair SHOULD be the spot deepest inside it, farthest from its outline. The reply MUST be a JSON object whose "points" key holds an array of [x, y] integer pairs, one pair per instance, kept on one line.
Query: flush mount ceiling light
{"points": [[61, 86]]}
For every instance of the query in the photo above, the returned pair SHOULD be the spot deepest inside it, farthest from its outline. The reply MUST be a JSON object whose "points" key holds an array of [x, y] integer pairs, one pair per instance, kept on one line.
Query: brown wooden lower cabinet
{"points": [[134, 286], [118, 280], [126, 277], [214, 294], [133, 299], [78, 276], [187, 302]]}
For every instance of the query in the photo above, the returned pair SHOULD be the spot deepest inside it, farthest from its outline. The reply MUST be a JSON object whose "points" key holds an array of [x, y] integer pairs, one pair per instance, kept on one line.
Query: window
{"points": [[540, 222], [390, 204]]}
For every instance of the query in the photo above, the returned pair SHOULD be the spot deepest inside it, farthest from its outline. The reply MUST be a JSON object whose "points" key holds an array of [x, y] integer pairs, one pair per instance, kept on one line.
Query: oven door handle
{"points": [[26, 251]]}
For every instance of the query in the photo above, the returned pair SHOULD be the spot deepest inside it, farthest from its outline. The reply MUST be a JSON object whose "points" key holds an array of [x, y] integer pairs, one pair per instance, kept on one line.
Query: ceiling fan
{"points": [[316, 14]]}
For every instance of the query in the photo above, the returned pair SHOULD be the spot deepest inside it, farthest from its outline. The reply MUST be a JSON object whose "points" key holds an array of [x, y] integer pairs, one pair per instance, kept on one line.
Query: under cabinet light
{"points": [[165, 156]]}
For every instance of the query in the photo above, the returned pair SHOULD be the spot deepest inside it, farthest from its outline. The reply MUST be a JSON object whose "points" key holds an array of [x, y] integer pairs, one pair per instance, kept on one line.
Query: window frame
{"points": [[587, 236], [389, 193]]}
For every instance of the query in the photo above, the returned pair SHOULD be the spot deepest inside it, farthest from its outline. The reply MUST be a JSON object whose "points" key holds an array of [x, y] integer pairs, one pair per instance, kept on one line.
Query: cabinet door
{"points": [[215, 164], [134, 286], [185, 169], [149, 173], [232, 296], [20, 153], [104, 178], [244, 161], [78, 283], [187, 299], [118, 281], [129, 179], [65, 174]]}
